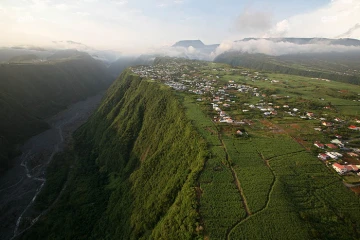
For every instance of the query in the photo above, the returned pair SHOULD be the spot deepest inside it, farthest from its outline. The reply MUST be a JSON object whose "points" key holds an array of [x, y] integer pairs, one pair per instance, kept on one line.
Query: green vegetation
{"points": [[31, 92], [136, 163], [220, 203], [334, 66], [160, 159]]}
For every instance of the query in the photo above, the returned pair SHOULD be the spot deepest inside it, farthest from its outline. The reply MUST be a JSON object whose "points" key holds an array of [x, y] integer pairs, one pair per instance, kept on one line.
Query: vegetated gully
{"points": [[20, 185]]}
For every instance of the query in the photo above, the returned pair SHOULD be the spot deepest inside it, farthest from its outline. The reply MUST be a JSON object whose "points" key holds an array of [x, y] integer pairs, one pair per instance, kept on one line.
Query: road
{"points": [[20, 185]]}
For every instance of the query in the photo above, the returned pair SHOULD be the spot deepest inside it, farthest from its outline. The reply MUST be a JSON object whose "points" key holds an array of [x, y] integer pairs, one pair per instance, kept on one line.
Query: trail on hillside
{"points": [[21, 185]]}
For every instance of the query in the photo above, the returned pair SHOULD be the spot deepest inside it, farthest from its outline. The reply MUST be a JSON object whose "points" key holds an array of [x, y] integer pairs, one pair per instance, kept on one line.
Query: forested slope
{"points": [[136, 164], [31, 92]]}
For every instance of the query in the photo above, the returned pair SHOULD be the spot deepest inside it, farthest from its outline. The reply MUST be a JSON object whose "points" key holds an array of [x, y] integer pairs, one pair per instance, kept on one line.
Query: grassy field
{"points": [[220, 204], [283, 186], [169, 165]]}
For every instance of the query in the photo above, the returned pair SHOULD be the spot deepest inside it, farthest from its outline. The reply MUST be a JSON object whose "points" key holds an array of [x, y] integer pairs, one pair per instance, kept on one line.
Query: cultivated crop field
{"points": [[268, 182]]}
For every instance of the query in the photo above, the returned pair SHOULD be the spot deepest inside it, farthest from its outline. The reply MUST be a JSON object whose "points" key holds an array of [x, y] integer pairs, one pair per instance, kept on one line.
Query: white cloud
{"points": [[62, 7], [330, 21], [83, 14], [162, 5], [280, 48], [252, 21], [120, 2], [25, 18]]}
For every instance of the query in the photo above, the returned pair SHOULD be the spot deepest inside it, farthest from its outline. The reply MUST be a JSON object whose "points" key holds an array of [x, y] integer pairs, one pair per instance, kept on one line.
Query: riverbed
{"points": [[20, 185]]}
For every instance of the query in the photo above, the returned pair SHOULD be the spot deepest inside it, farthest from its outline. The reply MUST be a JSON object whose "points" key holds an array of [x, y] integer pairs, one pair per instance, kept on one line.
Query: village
{"points": [[236, 102]]}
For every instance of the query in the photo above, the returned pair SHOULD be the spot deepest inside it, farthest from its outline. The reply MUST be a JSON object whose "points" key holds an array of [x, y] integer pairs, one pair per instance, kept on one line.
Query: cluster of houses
{"points": [[342, 169], [332, 153], [200, 79]]}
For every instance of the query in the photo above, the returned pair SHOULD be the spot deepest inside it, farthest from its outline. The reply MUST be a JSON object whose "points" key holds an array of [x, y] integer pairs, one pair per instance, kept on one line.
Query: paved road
{"points": [[20, 185]]}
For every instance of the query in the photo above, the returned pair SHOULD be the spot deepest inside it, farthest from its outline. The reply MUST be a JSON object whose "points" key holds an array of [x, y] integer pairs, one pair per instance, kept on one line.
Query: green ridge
{"points": [[136, 163]]}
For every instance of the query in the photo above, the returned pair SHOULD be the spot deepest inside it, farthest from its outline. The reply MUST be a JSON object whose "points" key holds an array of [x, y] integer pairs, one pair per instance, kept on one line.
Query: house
{"points": [[337, 142], [332, 155], [310, 114], [353, 127], [229, 120], [239, 132], [338, 136], [331, 146], [341, 169], [352, 154], [323, 156], [352, 168], [327, 124], [319, 145]]}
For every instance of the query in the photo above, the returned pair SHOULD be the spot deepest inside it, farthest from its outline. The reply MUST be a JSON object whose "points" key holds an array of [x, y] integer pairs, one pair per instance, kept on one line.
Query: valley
{"points": [[21, 185], [32, 92]]}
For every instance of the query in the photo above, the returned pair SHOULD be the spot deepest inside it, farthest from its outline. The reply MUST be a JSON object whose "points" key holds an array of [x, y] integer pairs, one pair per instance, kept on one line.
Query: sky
{"points": [[136, 25]]}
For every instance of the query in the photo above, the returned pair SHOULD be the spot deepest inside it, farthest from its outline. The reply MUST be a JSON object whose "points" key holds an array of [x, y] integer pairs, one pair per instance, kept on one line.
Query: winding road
{"points": [[20, 185]]}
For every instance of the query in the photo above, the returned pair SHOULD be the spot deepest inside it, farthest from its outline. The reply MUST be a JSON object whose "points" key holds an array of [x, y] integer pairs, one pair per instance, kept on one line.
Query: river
{"points": [[20, 185]]}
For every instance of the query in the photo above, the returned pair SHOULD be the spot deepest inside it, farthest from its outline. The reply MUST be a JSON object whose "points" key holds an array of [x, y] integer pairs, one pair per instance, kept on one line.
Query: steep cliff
{"points": [[136, 163]]}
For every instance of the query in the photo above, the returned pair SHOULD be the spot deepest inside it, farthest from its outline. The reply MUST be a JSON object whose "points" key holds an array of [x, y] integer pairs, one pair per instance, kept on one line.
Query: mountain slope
{"points": [[137, 161], [337, 66], [32, 92]]}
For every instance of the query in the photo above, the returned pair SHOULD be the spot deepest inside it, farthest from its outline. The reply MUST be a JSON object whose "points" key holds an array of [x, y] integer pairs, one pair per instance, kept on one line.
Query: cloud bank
{"points": [[279, 48]]}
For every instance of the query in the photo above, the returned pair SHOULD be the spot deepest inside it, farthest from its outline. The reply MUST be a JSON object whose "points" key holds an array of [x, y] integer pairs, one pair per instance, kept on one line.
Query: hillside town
{"points": [[240, 102]]}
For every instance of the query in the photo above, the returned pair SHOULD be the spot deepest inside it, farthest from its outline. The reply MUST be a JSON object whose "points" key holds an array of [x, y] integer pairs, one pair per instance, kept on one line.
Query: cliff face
{"points": [[137, 161], [33, 91]]}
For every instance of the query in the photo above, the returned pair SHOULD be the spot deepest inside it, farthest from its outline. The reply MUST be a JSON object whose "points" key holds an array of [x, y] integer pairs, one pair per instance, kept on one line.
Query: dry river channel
{"points": [[20, 185]]}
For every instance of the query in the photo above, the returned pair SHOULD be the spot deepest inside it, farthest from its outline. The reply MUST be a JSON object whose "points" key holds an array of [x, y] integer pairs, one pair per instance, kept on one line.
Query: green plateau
{"points": [[157, 160]]}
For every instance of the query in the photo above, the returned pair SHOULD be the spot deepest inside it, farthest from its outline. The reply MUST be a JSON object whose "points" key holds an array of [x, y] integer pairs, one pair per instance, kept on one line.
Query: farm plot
{"points": [[220, 202], [255, 177]]}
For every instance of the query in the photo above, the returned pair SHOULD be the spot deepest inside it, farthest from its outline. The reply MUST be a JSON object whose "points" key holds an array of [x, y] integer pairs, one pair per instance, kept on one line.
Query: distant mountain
{"points": [[302, 41], [24, 58], [200, 51], [68, 53], [189, 43], [7, 54], [198, 44]]}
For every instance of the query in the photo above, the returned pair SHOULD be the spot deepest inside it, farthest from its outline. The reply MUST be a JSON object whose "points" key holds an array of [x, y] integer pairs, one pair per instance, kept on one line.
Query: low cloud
{"points": [[189, 52], [279, 48]]}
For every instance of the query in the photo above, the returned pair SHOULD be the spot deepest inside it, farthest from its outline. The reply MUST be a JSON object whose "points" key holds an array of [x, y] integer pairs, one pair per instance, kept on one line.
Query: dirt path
{"points": [[20, 186], [238, 186]]}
